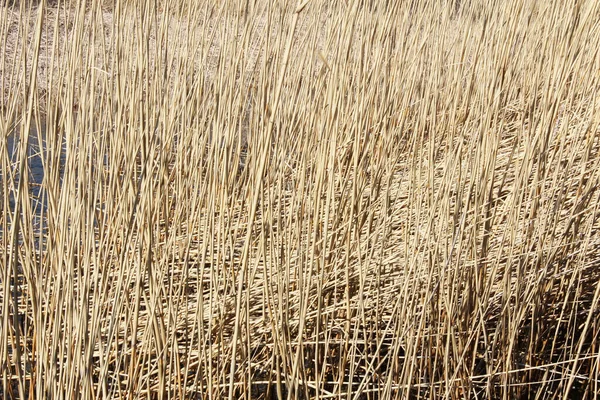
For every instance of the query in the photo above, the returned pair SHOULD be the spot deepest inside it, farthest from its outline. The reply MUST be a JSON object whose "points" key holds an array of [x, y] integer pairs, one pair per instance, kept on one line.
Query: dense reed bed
{"points": [[350, 199]]}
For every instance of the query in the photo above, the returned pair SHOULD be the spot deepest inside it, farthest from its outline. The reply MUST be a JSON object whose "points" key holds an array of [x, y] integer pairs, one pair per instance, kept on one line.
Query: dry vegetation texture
{"points": [[351, 199]]}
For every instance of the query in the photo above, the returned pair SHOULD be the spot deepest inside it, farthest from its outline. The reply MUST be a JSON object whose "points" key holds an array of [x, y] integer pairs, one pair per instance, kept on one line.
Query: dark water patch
{"points": [[34, 168], [37, 147]]}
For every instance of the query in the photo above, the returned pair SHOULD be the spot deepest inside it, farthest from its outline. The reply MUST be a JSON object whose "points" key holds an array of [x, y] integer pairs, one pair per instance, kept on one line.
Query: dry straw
{"points": [[276, 199]]}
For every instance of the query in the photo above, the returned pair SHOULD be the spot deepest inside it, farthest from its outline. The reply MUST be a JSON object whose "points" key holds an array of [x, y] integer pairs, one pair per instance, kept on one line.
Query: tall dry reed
{"points": [[276, 199]]}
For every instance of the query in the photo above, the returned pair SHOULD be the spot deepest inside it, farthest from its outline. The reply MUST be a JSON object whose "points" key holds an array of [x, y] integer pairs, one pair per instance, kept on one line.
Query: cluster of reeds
{"points": [[354, 199]]}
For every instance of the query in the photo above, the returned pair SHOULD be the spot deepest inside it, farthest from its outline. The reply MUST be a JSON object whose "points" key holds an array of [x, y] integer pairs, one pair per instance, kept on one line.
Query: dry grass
{"points": [[351, 199]]}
